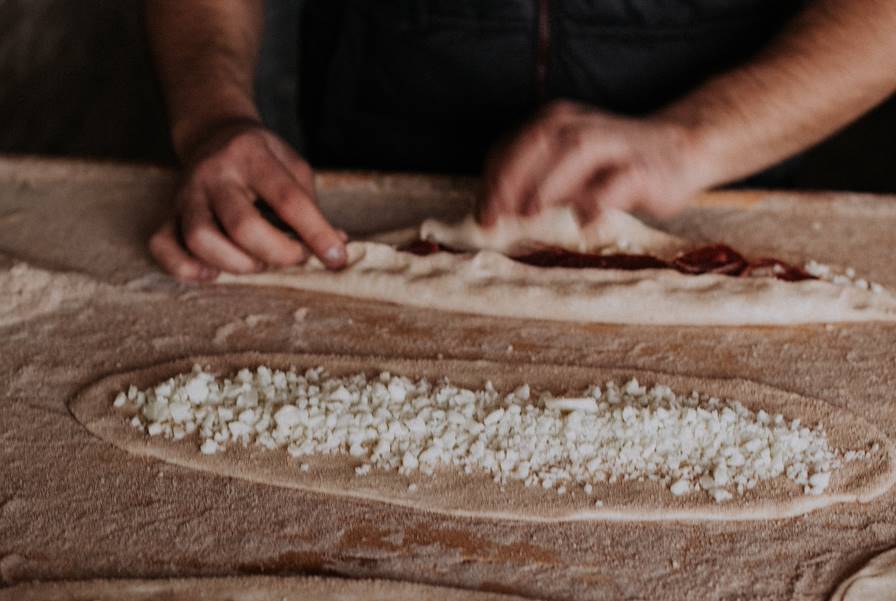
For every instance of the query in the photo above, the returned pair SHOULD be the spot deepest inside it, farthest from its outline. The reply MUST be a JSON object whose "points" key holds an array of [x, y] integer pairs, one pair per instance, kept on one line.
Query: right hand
{"points": [[216, 226]]}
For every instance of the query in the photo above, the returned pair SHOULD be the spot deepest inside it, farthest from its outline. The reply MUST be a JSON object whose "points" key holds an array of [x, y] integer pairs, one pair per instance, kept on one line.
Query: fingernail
{"points": [[335, 255]]}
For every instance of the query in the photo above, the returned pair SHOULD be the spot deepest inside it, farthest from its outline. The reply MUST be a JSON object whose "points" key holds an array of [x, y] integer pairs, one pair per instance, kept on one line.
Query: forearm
{"points": [[205, 53], [835, 61]]}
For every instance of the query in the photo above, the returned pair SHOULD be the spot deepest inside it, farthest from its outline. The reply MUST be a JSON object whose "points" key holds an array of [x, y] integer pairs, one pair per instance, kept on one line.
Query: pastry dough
{"points": [[615, 231], [490, 283], [450, 491], [876, 581]]}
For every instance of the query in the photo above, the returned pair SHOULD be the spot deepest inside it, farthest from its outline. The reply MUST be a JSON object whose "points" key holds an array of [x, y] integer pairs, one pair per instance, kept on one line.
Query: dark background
{"points": [[76, 80]]}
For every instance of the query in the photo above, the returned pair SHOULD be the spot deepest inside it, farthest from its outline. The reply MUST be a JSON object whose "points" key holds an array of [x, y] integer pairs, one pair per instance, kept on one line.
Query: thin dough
{"points": [[246, 588], [489, 283], [476, 495], [876, 581], [615, 231]]}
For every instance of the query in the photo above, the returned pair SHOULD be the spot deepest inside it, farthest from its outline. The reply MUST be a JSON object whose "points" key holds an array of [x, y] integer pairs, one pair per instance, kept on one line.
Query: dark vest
{"points": [[429, 85]]}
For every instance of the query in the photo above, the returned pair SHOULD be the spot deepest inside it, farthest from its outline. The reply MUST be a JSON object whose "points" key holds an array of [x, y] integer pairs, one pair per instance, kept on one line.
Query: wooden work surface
{"points": [[73, 507]]}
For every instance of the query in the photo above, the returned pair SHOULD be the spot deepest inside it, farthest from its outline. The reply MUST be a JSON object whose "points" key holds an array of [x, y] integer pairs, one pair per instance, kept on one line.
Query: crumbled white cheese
{"points": [[630, 432], [588, 405], [680, 487], [846, 278]]}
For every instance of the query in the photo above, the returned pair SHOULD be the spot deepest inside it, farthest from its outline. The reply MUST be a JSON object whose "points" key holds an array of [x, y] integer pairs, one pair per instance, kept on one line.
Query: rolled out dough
{"points": [[615, 231], [248, 588], [876, 581], [489, 283], [451, 492]]}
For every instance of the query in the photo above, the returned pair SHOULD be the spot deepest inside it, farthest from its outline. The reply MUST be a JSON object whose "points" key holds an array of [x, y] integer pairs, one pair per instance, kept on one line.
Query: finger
{"points": [[299, 169], [579, 155], [204, 239], [295, 205], [608, 190], [519, 167], [343, 235], [513, 172], [293, 162], [166, 249], [664, 208], [252, 232]]}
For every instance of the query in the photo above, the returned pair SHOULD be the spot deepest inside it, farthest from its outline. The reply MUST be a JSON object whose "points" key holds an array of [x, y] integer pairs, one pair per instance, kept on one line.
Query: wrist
{"points": [[194, 126], [702, 152], [201, 138]]}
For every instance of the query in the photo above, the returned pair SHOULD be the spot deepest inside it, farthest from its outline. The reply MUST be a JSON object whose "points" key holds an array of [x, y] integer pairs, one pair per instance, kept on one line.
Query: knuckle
{"points": [[182, 271], [288, 196], [244, 142], [573, 138], [303, 169], [245, 230], [196, 239], [541, 135], [560, 109], [207, 169], [283, 195]]}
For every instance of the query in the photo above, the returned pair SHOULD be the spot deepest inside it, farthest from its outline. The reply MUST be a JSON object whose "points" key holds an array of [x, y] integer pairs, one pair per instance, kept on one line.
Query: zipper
{"points": [[542, 49]]}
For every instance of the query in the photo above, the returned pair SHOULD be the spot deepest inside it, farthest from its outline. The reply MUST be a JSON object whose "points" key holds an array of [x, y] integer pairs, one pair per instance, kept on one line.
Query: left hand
{"points": [[576, 155]]}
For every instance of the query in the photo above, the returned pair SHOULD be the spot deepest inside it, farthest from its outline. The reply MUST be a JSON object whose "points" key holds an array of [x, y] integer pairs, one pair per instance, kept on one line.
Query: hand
{"points": [[581, 157], [217, 221]]}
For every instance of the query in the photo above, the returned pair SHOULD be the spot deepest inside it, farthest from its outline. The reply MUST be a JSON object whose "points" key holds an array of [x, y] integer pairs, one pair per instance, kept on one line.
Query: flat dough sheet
{"points": [[876, 581], [490, 283], [250, 588], [616, 231], [451, 492]]}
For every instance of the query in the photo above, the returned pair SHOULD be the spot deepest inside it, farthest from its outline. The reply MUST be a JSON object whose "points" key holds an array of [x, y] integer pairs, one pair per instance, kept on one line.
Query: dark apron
{"points": [[430, 85]]}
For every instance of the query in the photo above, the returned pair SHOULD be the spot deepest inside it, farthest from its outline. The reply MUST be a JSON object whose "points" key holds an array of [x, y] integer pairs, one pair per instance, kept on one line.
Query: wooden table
{"points": [[73, 507]]}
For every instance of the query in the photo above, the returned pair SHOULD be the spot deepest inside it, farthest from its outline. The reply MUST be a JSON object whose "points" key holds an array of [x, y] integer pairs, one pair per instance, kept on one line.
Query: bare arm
{"points": [[205, 53], [833, 62]]}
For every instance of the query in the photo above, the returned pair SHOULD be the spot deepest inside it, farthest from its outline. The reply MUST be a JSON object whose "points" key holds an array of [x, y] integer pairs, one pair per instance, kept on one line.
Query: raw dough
{"points": [[876, 581], [476, 495], [249, 588], [615, 231], [489, 283]]}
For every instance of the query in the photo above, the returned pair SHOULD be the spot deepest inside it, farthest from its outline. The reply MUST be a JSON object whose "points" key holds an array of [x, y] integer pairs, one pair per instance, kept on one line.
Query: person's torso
{"points": [[431, 84]]}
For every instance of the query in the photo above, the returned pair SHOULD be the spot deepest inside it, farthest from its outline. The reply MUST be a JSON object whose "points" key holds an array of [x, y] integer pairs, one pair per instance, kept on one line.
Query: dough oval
{"points": [[450, 492], [245, 588]]}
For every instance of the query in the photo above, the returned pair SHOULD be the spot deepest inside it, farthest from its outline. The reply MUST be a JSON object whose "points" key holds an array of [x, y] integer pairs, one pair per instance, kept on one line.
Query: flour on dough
{"points": [[451, 491], [243, 588], [876, 581], [490, 283], [615, 231]]}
